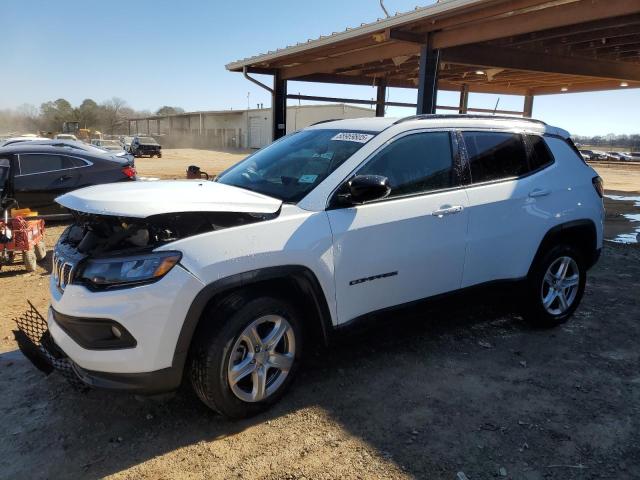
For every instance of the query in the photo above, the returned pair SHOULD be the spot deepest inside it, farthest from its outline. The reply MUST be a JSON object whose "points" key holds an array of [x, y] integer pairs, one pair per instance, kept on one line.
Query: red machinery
{"points": [[19, 234]]}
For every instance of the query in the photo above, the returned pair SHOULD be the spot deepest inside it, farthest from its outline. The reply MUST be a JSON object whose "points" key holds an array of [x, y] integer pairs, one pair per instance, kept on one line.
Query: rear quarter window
{"points": [[539, 154], [562, 150], [495, 155]]}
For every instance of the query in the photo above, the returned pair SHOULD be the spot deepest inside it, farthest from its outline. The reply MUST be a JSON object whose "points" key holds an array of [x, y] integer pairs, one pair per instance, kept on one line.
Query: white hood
{"points": [[143, 199]]}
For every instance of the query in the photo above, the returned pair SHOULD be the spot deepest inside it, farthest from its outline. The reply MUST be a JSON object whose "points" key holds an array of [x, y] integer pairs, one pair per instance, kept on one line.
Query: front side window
{"points": [[416, 163], [40, 163], [495, 155], [290, 168]]}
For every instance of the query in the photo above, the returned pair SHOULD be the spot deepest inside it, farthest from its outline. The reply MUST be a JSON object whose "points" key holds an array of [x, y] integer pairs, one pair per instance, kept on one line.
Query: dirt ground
{"points": [[174, 162], [623, 177], [464, 388]]}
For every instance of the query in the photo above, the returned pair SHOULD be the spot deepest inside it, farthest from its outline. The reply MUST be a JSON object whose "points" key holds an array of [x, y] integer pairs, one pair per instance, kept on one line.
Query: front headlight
{"points": [[121, 271]]}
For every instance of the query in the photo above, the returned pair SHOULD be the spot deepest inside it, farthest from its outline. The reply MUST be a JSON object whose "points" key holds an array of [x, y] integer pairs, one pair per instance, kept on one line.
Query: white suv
{"points": [[227, 282]]}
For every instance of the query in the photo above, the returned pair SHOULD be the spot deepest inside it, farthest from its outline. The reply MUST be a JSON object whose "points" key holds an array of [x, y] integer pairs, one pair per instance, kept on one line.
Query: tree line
{"points": [[108, 117], [630, 142]]}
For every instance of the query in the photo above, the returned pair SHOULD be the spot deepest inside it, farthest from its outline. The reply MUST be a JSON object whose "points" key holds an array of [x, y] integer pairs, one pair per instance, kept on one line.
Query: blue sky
{"points": [[154, 53]]}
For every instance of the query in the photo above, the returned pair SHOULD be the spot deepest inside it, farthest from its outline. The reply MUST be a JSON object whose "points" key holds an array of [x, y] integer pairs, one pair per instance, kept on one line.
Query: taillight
{"points": [[598, 184], [129, 171]]}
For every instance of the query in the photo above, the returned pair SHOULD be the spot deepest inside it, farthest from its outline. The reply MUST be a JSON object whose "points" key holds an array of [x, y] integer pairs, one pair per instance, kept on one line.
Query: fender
{"points": [[304, 278], [581, 232]]}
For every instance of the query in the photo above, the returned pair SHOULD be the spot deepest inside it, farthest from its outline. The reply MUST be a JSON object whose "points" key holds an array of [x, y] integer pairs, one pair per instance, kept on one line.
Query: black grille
{"points": [[36, 344]]}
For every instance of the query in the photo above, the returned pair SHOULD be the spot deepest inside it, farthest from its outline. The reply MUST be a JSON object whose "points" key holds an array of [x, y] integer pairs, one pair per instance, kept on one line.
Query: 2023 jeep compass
{"points": [[227, 282]]}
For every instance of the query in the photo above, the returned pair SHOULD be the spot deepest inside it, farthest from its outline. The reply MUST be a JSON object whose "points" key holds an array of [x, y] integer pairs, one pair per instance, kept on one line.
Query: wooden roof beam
{"points": [[609, 43], [329, 65], [609, 27], [490, 56], [584, 87], [562, 15]]}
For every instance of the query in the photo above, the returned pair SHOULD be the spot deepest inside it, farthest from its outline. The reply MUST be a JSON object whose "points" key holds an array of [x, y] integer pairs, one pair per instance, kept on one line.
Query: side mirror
{"points": [[365, 188]]}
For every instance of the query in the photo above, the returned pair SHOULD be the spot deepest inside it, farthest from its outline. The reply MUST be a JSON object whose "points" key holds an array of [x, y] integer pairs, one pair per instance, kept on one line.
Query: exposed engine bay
{"points": [[102, 235]]}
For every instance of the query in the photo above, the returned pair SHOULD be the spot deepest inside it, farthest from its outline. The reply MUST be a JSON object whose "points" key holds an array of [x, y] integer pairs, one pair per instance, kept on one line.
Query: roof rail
{"points": [[326, 121], [433, 116]]}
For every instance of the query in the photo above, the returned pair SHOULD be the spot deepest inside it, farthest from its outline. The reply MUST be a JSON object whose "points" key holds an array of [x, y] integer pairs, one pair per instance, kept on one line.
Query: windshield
{"points": [[147, 140], [290, 168]]}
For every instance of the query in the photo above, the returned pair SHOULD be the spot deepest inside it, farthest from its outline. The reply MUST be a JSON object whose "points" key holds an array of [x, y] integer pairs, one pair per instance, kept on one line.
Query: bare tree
{"points": [[114, 114]]}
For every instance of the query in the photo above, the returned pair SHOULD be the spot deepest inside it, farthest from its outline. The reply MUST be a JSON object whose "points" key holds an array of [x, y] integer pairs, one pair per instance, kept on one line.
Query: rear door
{"points": [[41, 177], [509, 196], [410, 245]]}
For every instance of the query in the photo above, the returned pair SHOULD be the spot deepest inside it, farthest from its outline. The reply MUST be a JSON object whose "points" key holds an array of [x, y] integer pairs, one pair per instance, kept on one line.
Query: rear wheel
{"points": [[29, 259], [41, 250], [247, 356], [555, 287]]}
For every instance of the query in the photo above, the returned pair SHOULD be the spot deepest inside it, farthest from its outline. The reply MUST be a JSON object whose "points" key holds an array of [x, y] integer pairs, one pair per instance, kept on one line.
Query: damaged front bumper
{"points": [[36, 343]]}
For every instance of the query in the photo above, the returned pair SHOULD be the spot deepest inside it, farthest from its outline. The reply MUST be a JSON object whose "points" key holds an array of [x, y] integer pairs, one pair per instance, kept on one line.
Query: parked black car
{"points": [[141, 146], [41, 171]]}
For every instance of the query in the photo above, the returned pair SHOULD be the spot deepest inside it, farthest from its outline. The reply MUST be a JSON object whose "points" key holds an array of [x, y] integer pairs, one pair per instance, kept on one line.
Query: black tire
{"points": [[534, 310], [214, 345], [29, 260]]}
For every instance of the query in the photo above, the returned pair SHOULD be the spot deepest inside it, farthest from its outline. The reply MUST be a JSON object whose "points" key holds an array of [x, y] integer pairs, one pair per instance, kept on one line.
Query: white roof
{"points": [[372, 124], [377, 124]]}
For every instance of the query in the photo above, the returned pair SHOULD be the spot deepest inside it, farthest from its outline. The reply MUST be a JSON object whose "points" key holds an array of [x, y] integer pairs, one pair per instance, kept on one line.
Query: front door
{"points": [[410, 245]]}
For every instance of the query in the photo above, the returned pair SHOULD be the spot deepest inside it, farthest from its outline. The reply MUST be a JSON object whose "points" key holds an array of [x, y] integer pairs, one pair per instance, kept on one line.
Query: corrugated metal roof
{"points": [[419, 13]]}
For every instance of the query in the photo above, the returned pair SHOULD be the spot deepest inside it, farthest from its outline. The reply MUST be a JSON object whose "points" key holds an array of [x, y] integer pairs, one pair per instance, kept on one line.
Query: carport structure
{"points": [[516, 47]]}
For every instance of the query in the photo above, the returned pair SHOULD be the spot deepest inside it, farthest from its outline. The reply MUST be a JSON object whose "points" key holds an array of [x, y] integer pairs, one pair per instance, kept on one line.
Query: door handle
{"points": [[447, 210], [539, 192], [64, 177]]}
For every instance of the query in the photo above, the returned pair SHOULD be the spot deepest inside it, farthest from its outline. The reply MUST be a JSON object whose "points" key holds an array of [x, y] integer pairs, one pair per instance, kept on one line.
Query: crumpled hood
{"points": [[143, 199]]}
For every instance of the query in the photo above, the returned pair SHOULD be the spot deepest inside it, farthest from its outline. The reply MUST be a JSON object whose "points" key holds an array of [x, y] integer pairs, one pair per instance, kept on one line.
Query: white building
{"points": [[236, 128]]}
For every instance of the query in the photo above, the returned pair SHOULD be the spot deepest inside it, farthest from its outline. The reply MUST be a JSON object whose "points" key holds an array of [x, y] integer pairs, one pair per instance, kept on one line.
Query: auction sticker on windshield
{"points": [[353, 137]]}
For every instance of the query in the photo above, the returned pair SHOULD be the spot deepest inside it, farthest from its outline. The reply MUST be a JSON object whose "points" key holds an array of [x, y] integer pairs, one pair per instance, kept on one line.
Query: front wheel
{"points": [[247, 355], [555, 287], [29, 260], [41, 250]]}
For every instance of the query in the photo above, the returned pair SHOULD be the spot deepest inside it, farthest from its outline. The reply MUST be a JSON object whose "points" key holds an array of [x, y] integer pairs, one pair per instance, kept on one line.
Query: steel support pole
{"points": [[428, 79], [382, 96], [279, 106], [528, 106], [464, 99]]}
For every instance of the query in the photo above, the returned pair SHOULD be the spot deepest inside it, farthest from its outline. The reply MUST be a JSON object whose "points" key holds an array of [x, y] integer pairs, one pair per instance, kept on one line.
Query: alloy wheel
{"points": [[261, 358], [560, 285]]}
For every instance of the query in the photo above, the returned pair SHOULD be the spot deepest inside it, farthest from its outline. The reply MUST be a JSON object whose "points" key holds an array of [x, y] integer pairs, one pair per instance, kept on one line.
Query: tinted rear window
{"points": [[539, 155], [39, 163], [495, 155]]}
